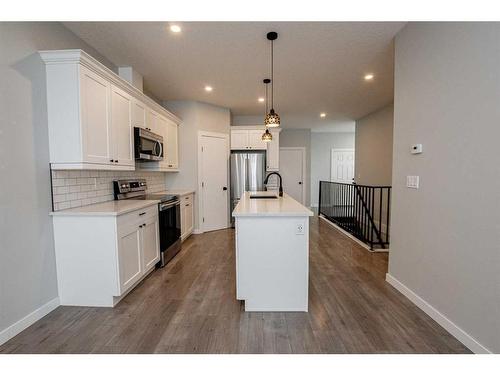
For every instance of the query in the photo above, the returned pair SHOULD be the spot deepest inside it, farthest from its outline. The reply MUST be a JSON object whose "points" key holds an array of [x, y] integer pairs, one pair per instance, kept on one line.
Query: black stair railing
{"points": [[362, 210]]}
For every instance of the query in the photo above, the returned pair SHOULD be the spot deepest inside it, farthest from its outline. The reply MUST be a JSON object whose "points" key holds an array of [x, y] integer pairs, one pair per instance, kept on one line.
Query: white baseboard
{"points": [[28, 320], [442, 320], [347, 234], [197, 231]]}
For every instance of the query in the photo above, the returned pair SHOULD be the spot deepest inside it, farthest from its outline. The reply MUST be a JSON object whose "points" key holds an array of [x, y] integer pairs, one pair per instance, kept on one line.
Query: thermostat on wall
{"points": [[416, 148]]}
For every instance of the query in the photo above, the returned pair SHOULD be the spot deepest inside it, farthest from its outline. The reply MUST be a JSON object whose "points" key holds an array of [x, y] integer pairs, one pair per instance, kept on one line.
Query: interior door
{"points": [[292, 171], [342, 165], [121, 127], [214, 173]]}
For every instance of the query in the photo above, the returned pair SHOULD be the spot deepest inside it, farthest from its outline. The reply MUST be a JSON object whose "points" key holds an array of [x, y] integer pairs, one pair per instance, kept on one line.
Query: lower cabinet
{"points": [[187, 216], [101, 258]]}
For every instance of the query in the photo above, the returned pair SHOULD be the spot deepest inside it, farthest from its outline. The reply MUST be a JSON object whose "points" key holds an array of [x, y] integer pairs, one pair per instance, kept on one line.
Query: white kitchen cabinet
{"points": [[122, 135], [171, 146], [247, 139], [250, 138], [273, 152], [95, 109], [187, 216], [101, 257], [92, 113], [239, 139], [255, 141], [138, 115], [129, 257]]}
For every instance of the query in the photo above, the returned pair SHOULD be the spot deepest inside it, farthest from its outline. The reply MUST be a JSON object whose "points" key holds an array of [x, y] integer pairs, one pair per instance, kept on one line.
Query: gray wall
{"points": [[321, 148], [445, 243], [373, 154], [196, 117], [299, 138], [27, 264]]}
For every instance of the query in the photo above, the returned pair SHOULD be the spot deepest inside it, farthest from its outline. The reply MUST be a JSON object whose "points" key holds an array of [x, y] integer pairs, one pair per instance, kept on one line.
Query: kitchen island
{"points": [[272, 252]]}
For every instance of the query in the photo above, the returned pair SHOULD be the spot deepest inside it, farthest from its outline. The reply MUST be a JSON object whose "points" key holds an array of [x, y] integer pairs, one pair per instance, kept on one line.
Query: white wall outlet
{"points": [[299, 229], [416, 148], [412, 182]]}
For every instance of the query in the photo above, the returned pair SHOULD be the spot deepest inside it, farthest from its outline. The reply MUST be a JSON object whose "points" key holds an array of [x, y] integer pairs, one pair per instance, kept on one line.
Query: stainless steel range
{"points": [[169, 212]]}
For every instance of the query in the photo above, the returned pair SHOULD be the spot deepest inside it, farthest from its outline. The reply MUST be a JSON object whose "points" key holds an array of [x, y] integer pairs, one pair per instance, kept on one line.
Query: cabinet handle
{"points": [[144, 224], [111, 160], [140, 226], [170, 165], [187, 204], [116, 161], [143, 213]]}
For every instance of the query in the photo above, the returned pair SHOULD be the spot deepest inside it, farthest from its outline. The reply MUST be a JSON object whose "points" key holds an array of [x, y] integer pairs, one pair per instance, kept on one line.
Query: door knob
{"points": [[300, 182], [224, 188]]}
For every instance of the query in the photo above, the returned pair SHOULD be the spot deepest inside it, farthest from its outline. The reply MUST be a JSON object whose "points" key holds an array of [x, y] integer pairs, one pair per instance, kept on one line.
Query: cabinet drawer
{"points": [[136, 218], [187, 199]]}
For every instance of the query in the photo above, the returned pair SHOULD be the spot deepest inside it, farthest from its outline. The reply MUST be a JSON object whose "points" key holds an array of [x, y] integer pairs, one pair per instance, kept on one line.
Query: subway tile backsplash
{"points": [[80, 188]]}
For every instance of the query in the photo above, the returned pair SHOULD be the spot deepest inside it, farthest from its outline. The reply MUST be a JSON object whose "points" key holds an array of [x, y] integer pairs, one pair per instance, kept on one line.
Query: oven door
{"points": [[170, 230]]}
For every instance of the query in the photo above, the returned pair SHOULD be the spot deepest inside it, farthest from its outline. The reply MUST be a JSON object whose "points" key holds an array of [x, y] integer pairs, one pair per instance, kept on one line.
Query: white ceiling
{"points": [[319, 66]]}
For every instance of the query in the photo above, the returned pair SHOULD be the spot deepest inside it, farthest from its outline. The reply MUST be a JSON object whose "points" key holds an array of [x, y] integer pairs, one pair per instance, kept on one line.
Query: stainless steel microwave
{"points": [[148, 145]]}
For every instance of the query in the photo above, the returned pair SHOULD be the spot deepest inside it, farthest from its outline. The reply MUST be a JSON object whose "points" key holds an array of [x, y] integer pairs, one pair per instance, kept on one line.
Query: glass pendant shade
{"points": [[267, 136], [272, 119]]}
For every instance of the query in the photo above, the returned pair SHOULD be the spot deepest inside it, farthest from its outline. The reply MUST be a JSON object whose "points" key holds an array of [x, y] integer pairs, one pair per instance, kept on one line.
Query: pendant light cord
{"points": [[272, 74]]}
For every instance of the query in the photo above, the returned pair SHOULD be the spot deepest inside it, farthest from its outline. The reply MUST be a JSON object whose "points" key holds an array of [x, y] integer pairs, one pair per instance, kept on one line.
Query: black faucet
{"points": [[277, 174]]}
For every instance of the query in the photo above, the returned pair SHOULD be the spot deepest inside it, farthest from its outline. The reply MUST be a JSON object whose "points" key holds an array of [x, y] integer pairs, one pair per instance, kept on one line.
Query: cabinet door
{"points": [[150, 243], [172, 145], [255, 141], [96, 130], [121, 127], [138, 115], [129, 257], [151, 121], [239, 139], [273, 152], [183, 219], [189, 222]]}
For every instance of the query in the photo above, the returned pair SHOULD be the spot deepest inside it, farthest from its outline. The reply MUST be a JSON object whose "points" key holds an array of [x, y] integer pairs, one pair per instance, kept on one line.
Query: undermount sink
{"points": [[263, 196]]}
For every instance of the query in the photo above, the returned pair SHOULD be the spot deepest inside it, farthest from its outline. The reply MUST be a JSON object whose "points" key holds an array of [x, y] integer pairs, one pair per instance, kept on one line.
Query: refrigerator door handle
{"points": [[246, 173]]}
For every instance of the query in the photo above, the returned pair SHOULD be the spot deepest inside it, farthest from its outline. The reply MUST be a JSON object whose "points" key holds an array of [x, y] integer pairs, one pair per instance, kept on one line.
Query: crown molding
{"points": [[78, 56]]}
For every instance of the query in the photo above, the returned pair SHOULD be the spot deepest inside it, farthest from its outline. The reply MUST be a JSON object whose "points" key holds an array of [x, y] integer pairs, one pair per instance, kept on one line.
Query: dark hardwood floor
{"points": [[190, 307]]}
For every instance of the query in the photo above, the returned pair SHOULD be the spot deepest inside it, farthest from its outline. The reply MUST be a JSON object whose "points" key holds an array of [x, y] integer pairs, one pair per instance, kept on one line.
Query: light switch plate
{"points": [[413, 182]]}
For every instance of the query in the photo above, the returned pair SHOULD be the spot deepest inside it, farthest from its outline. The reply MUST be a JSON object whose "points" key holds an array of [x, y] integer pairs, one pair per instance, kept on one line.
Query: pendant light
{"points": [[267, 136], [272, 119]]}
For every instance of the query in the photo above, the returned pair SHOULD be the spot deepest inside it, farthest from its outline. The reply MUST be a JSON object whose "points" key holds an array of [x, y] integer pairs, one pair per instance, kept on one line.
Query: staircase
{"points": [[361, 210]]}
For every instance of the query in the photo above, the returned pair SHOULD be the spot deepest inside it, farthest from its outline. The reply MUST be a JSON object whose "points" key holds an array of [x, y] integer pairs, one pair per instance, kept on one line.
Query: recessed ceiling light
{"points": [[368, 77], [208, 88], [323, 114], [261, 100], [175, 28]]}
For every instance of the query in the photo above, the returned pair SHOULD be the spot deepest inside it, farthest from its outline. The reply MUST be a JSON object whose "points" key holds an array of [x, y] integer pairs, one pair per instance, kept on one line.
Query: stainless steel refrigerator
{"points": [[248, 171]]}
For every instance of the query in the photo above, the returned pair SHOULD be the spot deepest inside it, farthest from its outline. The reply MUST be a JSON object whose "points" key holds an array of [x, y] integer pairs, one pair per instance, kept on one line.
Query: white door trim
{"points": [[331, 159], [201, 211], [304, 170]]}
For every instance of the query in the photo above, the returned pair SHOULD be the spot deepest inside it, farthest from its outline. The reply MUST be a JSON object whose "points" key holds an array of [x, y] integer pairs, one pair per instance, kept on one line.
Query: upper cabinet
{"points": [[250, 138], [92, 113], [247, 139]]}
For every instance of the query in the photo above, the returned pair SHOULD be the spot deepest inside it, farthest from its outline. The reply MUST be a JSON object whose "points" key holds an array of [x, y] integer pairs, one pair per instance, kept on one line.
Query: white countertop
{"points": [[181, 192], [282, 206], [111, 208]]}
